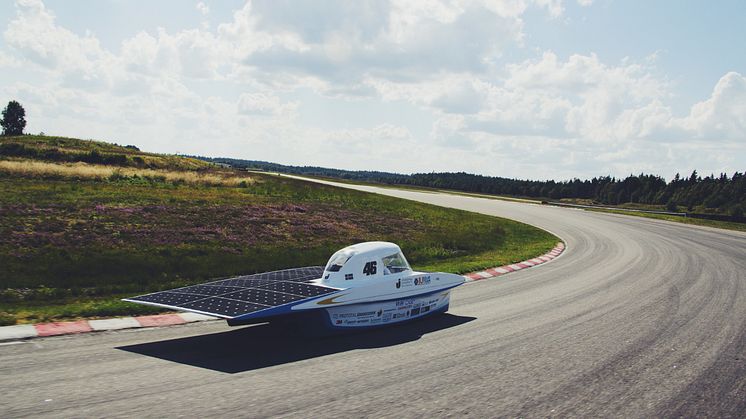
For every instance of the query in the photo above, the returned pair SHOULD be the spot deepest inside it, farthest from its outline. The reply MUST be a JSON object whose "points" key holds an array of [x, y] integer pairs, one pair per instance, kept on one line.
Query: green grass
{"points": [[679, 219], [71, 247], [423, 189], [62, 149], [44, 311]]}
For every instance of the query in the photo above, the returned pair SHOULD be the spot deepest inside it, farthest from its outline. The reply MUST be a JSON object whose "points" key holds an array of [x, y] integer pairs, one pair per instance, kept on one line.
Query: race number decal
{"points": [[369, 268]]}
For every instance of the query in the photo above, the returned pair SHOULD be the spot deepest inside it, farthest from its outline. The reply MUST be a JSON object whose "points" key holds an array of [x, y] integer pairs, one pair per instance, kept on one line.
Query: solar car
{"points": [[366, 285]]}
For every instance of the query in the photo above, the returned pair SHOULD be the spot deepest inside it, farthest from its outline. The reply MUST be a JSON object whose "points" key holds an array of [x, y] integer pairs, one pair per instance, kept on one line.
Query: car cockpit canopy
{"points": [[365, 261]]}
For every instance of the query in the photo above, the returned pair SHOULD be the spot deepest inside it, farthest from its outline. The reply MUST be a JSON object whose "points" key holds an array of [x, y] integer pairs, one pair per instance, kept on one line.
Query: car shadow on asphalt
{"points": [[266, 345]]}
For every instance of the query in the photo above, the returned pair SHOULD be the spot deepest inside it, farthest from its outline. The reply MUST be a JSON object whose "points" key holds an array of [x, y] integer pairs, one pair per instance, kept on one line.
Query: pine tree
{"points": [[14, 120]]}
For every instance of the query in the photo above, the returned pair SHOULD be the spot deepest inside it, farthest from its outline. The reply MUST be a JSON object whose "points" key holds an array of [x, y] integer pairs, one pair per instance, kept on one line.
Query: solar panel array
{"points": [[243, 294]]}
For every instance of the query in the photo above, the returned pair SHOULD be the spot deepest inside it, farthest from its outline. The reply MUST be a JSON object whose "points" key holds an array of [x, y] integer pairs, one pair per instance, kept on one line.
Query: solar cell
{"points": [[242, 283], [264, 297], [306, 290], [168, 298], [224, 306], [206, 290], [296, 274]]}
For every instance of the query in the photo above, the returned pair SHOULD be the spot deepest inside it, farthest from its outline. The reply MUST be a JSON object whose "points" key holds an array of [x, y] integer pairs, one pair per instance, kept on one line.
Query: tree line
{"points": [[722, 194]]}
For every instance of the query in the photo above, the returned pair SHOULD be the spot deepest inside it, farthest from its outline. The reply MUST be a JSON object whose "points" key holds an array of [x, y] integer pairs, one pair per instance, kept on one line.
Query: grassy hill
{"points": [[83, 223], [69, 150]]}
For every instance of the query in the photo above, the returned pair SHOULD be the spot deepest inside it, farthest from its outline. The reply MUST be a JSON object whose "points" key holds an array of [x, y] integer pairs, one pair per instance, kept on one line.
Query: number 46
{"points": [[370, 268]]}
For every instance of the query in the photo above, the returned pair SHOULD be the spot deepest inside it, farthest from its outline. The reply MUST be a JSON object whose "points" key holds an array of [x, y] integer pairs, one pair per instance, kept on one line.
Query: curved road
{"points": [[638, 318]]}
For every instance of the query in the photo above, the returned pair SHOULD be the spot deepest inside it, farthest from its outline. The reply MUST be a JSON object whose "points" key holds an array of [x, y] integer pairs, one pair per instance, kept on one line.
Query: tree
{"points": [[14, 120]]}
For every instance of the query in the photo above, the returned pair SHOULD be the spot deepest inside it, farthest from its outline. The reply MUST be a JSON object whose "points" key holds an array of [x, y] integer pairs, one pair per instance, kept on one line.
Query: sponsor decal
{"points": [[371, 314], [398, 283], [348, 277], [326, 276], [423, 280], [408, 302]]}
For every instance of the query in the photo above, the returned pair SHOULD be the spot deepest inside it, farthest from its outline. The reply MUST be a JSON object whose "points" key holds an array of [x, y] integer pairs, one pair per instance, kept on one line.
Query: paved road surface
{"points": [[637, 318]]}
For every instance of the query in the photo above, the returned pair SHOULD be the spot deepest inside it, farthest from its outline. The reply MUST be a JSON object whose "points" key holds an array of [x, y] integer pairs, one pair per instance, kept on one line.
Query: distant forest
{"points": [[723, 194]]}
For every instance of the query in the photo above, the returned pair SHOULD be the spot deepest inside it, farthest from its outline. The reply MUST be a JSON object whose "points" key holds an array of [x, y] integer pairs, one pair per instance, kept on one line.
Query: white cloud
{"points": [[342, 43], [190, 53], [264, 104], [449, 132], [34, 35], [461, 98], [555, 7], [723, 115], [580, 97], [203, 8]]}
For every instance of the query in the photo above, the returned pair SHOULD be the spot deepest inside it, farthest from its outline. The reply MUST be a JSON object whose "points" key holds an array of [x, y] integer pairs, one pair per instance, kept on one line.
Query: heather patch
{"points": [[26, 228]]}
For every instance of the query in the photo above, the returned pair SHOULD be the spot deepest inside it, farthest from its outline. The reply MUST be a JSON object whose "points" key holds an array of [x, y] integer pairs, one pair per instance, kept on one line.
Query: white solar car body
{"points": [[362, 286]]}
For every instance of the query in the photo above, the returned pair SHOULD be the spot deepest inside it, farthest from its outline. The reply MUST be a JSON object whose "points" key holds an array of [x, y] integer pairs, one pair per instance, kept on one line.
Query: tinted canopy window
{"points": [[395, 263], [337, 261]]}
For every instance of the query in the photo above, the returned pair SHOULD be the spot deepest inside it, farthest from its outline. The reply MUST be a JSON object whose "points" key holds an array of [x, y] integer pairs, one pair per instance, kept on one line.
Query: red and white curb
{"points": [[26, 331], [502, 270]]}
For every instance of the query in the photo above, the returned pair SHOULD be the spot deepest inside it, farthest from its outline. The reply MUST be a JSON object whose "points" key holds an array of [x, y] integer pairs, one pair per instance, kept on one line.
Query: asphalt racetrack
{"points": [[637, 318]]}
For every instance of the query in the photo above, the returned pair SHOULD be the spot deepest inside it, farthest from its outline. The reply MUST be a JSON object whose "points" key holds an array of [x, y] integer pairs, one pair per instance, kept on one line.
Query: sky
{"points": [[529, 89]]}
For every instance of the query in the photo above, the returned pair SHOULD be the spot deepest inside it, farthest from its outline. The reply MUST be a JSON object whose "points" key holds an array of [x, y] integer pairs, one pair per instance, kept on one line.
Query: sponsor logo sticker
{"points": [[423, 280]]}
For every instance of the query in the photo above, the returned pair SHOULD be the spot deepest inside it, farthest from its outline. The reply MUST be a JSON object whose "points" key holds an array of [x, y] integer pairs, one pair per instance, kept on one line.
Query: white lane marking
{"points": [[114, 324], [196, 317], [15, 342], [20, 331]]}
